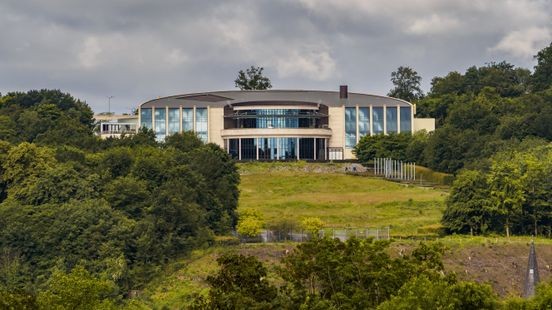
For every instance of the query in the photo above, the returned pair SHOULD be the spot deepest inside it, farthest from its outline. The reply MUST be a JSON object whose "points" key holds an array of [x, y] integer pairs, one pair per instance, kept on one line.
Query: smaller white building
{"points": [[115, 125]]}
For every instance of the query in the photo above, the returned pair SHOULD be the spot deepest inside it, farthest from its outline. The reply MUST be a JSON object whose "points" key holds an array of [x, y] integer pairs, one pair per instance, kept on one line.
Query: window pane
{"points": [[187, 119], [364, 121], [174, 121], [406, 121], [392, 120], [377, 119], [201, 123], [160, 124], [145, 118], [350, 127]]}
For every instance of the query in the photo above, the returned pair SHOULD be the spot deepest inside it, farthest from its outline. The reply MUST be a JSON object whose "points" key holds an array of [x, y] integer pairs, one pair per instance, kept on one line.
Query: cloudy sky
{"points": [[136, 50]]}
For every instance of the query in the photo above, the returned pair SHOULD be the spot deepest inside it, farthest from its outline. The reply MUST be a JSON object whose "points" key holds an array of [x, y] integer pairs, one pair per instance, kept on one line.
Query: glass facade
{"points": [[350, 127], [187, 119], [406, 121], [277, 148], [363, 121], [391, 121], [160, 124], [201, 124], [377, 120], [174, 121], [277, 118], [145, 118]]}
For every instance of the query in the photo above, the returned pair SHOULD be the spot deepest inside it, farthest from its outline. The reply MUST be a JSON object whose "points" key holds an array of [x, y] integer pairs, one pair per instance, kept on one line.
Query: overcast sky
{"points": [[136, 50]]}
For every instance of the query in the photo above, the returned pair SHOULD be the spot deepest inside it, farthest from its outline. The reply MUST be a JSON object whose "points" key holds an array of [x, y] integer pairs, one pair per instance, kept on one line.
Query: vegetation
{"points": [[281, 192], [406, 83], [318, 275], [252, 79], [479, 113], [83, 222], [513, 195]]}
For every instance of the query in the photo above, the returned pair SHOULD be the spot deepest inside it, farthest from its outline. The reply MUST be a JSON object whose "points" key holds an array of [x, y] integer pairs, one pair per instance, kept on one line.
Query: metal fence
{"points": [[395, 169], [267, 236]]}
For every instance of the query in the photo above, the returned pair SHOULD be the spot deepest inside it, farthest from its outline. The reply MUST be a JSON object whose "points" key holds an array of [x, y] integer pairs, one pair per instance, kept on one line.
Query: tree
{"points": [[252, 79], [506, 188], [468, 204], [407, 84], [250, 223], [241, 283], [440, 293], [542, 76], [77, 290]]}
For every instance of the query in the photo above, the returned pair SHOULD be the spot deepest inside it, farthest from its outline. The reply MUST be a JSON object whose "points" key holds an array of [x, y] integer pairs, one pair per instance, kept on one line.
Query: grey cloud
{"points": [[138, 49]]}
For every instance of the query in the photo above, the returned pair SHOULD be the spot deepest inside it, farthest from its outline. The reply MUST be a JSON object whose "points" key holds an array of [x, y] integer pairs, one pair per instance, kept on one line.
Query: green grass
{"points": [[298, 190]]}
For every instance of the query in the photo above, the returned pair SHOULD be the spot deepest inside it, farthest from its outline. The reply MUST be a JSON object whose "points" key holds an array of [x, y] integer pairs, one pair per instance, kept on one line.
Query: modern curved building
{"points": [[282, 124]]}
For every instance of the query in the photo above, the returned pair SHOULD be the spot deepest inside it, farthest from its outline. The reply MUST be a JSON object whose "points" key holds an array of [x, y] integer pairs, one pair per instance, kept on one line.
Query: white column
{"points": [[239, 147], [314, 147], [297, 147], [166, 121], [153, 119], [384, 119], [326, 149], [371, 122], [180, 119], [357, 131], [257, 147], [209, 123], [194, 118], [398, 119]]}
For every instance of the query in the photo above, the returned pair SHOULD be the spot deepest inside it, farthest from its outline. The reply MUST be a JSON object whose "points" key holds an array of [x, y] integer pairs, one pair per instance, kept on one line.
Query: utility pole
{"points": [[109, 103]]}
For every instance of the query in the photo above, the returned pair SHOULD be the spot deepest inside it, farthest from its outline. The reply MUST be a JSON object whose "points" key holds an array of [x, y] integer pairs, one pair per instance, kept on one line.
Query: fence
{"points": [[267, 236], [395, 169]]}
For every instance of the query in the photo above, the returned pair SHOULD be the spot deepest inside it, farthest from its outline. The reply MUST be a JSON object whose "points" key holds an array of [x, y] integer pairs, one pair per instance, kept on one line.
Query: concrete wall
{"points": [[216, 123], [337, 125], [427, 124]]}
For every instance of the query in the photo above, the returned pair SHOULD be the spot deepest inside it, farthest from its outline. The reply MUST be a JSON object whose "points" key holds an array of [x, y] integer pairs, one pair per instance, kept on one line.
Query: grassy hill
{"points": [[297, 190]]}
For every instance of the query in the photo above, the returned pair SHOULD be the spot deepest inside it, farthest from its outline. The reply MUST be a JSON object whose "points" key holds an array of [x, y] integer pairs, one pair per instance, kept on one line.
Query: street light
{"points": [[109, 104]]}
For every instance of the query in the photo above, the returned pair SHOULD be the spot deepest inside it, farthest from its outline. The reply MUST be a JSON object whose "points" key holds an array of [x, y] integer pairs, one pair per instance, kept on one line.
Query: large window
{"points": [[201, 123], [278, 118], [268, 148], [187, 119], [145, 118], [377, 119], [391, 120], [406, 119], [364, 121], [160, 124], [288, 148], [174, 121], [350, 127], [248, 149]]}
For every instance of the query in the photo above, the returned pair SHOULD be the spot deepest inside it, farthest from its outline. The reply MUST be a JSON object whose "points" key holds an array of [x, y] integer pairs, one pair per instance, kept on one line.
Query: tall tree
{"points": [[407, 84], [542, 76], [252, 79]]}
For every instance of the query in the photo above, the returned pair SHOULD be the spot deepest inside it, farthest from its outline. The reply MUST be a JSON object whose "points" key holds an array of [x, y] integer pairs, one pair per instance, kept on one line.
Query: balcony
{"points": [[276, 132]]}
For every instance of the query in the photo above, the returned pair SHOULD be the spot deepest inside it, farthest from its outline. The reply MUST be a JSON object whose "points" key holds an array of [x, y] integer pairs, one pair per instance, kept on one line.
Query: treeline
{"points": [[478, 113], [76, 210], [356, 274], [514, 195]]}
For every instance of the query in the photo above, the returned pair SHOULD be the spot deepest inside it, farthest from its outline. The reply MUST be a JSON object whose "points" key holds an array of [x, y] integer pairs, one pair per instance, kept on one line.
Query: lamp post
{"points": [[109, 104]]}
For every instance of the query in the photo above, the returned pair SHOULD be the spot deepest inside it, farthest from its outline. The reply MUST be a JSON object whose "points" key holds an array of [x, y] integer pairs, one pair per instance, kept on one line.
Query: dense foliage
{"points": [[513, 195], [478, 113], [357, 274], [102, 215]]}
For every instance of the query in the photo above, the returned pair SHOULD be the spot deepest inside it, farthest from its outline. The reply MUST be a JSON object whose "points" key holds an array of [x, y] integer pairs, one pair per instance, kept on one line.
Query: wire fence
{"points": [[283, 235]]}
